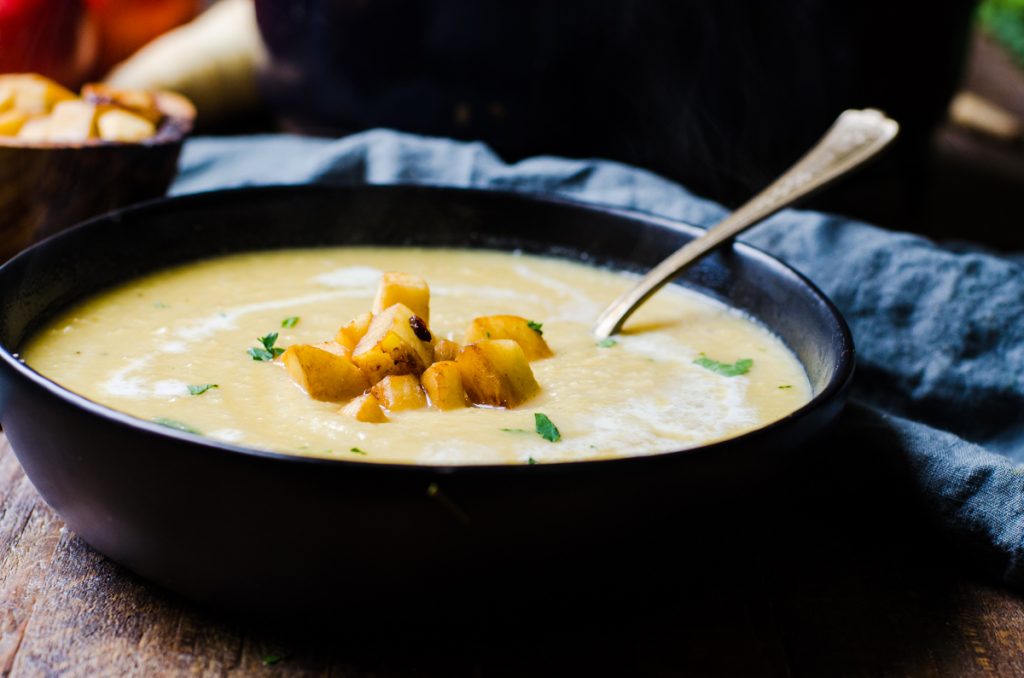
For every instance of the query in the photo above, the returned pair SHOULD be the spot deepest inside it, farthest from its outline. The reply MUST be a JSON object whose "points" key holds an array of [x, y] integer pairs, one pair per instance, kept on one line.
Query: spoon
{"points": [[854, 137]]}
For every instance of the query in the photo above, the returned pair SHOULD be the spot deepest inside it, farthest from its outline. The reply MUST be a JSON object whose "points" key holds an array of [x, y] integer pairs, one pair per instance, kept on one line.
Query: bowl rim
{"points": [[835, 386]]}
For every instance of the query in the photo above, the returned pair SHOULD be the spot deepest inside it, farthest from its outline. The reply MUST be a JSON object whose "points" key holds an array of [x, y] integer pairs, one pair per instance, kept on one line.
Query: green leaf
{"points": [[725, 369], [546, 428], [356, 450], [290, 322], [531, 461], [261, 354], [607, 343], [200, 389], [176, 425], [269, 351], [535, 326]]}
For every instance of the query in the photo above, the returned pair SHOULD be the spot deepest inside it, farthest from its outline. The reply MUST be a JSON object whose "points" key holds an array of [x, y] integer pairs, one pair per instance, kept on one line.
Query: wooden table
{"points": [[791, 600]]}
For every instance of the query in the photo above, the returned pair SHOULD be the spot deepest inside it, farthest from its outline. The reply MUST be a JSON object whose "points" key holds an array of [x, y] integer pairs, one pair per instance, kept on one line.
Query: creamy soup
{"points": [[687, 371]]}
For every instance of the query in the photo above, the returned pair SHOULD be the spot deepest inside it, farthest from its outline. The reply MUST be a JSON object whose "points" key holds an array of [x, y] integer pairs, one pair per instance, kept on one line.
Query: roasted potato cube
{"points": [[390, 345], [509, 327], [496, 372], [139, 102], [118, 125], [446, 350], [399, 392], [324, 371], [404, 288], [350, 334], [33, 94], [11, 122], [35, 129], [365, 408], [443, 383], [72, 121]]}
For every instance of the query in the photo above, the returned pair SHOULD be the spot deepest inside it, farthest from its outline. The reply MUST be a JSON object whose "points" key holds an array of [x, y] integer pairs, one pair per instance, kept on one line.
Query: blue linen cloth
{"points": [[939, 332]]}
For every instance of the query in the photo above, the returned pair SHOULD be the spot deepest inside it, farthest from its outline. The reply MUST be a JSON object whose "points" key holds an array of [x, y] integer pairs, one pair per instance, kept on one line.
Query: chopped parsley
{"points": [[786, 386], [267, 351], [356, 450], [735, 369], [515, 430], [176, 425], [546, 428], [607, 343], [535, 326], [290, 322], [200, 389], [531, 461]]}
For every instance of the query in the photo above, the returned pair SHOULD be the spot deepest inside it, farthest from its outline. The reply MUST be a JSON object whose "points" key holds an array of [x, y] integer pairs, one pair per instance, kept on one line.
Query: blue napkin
{"points": [[940, 332]]}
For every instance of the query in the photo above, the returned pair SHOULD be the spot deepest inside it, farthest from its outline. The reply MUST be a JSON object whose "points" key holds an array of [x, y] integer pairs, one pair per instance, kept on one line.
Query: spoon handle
{"points": [[856, 136]]}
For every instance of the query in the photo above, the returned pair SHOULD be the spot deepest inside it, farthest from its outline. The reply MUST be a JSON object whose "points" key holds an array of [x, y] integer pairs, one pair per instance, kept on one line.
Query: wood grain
{"points": [[839, 608]]}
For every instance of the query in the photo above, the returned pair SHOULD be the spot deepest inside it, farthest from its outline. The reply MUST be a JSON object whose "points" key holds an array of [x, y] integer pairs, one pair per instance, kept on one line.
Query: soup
{"points": [[193, 348]]}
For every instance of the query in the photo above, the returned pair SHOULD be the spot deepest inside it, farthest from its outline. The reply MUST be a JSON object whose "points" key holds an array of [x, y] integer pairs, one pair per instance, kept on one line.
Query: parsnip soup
{"points": [[419, 356]]}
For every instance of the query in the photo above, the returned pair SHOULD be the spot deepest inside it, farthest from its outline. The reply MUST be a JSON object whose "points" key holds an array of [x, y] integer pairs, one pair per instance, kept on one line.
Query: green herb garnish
{"points": [[356, 450], [786, 386], [531, 461], [515, 430], [268, 351], [272, 659], [535, 326], [725, 369], [176, 425], [290, 322], [200, 389], [545, 428], [607, 343]]}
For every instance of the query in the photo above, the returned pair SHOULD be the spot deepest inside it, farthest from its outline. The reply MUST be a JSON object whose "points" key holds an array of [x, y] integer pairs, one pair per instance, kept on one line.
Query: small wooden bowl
{"points": [[46, 187]]}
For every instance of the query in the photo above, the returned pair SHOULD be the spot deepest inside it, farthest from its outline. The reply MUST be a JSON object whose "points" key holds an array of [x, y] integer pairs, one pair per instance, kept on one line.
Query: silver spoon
{"points": [[855, 137]]}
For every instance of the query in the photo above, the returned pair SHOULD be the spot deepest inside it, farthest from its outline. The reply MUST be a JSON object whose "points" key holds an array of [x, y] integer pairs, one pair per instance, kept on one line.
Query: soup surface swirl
{"points": [[665, 384]]}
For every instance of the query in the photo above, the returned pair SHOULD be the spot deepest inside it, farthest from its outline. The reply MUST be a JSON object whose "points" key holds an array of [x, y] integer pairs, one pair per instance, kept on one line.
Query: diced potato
{"points": [[33, 94], [324, 371], [11, 122], [365, 408], [446, 350], [72, 121], [118, 125], [404, 288], [349, 335], [139, 102], [6, 99], [509, 327], [496, 372], [443, 383], [390, 346], [399, 392], [35, 129]]}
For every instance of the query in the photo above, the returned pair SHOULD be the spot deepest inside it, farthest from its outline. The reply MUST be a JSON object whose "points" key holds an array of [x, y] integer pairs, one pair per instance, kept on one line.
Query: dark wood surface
{"points": [[862, 599]]}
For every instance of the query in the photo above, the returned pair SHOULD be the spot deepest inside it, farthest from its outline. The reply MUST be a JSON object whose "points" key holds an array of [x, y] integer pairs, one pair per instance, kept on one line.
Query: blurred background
{"points": [[718, 96]]}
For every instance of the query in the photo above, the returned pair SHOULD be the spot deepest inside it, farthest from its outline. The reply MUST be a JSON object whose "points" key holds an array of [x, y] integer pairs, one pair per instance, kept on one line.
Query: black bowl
{"points": [[251, 529]]}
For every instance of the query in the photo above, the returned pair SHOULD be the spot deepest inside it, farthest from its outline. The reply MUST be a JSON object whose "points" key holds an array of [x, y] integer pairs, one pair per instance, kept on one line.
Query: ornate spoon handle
{"points": [[855, 137]]}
